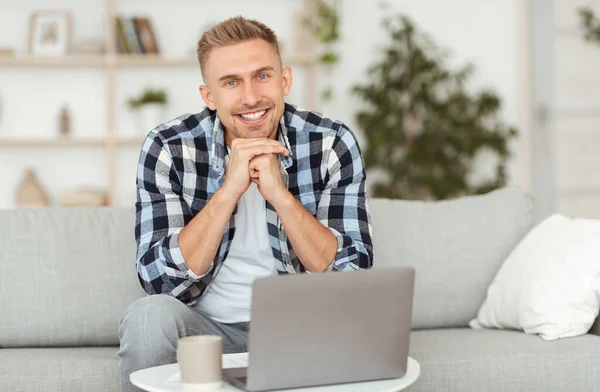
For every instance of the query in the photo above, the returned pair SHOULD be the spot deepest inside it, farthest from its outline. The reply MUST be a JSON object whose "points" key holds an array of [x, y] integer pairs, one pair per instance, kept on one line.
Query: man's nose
{"points": [[250, 95]]}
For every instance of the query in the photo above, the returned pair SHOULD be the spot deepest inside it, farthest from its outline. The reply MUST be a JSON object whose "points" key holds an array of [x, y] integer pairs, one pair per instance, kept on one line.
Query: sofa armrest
{"points": [[596, 327]]}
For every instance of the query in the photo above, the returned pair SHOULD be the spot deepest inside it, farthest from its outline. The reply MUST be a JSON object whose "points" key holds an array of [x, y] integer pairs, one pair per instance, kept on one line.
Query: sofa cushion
{"points": [[67, 275], [550, 283], [456, 247], [90, 369], [488, 360]]}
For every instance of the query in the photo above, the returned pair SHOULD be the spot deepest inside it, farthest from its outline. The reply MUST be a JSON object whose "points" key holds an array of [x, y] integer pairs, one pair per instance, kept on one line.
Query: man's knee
{"points": [[154, 314]]}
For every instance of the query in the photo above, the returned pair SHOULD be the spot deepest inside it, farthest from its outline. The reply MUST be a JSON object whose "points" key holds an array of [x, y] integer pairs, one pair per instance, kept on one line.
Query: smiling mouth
{"points": [[253, 116]]}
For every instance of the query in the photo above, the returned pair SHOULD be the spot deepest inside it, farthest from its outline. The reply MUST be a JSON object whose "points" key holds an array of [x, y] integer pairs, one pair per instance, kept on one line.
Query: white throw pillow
{"points": [[550, 283]]}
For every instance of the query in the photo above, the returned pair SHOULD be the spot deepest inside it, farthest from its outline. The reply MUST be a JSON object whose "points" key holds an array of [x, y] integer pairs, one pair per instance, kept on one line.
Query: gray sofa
{"points": [[67, 275]]}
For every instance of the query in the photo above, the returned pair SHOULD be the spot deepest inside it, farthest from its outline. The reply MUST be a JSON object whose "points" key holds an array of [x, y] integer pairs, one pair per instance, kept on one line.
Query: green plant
{"points": [[423, 127], [325, 26], [148, 96], [590, 24]]}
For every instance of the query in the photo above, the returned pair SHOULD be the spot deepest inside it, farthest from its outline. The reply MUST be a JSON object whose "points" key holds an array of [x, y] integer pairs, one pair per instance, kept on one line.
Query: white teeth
{"points": [[253, 116]]}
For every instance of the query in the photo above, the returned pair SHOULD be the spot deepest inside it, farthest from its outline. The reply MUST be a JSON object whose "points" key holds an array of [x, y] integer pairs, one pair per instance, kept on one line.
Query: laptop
{"points": [[321, 329]]}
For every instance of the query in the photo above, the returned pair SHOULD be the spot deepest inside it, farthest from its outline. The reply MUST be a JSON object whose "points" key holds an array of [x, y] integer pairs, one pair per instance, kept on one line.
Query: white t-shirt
{"points": [[227, 298]]}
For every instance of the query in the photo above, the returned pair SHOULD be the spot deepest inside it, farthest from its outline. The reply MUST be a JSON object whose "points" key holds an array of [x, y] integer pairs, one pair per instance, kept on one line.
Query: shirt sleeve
{"points": [[161, 213], [343, 206]]}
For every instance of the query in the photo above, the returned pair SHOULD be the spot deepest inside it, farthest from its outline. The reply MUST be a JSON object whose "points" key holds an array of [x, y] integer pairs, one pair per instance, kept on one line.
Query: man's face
{"points": [[246, 86]]}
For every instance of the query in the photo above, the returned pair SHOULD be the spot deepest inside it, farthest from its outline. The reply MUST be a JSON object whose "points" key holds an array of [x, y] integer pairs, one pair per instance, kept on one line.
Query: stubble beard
{"points": [[273, 125]]}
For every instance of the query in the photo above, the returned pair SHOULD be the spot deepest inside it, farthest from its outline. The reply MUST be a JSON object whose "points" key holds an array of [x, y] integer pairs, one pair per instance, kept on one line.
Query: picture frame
{"points": [[50, 33]]}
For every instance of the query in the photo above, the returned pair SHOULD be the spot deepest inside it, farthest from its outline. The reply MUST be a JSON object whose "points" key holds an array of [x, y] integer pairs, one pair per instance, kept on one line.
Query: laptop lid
{"points": [[337, 327]]}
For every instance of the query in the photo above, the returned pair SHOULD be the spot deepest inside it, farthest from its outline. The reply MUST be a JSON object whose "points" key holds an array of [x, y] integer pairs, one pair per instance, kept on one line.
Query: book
{"points": [[146, 35], [131, 36], [155, 44], [122, 46]]}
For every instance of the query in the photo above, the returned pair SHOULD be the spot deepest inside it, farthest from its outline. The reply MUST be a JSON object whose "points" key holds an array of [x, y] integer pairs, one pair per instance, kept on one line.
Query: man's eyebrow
{"points": [[256, 71]]}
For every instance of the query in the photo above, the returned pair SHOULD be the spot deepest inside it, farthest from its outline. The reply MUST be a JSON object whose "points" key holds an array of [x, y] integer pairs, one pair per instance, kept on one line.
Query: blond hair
{"points": [[233, 31]]}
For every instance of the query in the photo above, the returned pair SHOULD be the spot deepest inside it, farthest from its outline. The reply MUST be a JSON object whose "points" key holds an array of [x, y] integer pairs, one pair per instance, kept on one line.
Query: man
{"points": [[247, 188]]}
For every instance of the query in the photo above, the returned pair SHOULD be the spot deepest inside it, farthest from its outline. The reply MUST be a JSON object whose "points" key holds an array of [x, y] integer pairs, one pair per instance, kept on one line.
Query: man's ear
{"points": [[207, 97], [287, 80]]}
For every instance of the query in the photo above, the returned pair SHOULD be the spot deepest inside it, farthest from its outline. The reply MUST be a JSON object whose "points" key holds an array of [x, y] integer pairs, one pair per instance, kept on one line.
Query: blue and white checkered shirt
{"points": [[181, 166]]}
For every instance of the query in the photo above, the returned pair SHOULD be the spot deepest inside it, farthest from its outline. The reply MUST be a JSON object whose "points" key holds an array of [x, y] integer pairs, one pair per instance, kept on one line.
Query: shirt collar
{"points": [[218, 147]]}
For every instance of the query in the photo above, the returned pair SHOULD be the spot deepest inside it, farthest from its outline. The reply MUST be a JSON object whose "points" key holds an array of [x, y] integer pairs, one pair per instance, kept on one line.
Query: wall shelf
{"points": [[302, 59], [123, 61], [70, 142], [51, 142], [133, 141], [70, 61], [133, 60]]}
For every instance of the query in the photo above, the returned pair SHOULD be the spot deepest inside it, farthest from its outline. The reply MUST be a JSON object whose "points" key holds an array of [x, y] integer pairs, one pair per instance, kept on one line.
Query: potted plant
{"points": [[149, 107], [425, 128]]}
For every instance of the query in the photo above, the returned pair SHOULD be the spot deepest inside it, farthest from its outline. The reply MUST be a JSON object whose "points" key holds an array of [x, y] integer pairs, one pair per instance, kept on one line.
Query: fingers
{"points": [[262, 160], [253, 147], [239, 141], [254, 175]]}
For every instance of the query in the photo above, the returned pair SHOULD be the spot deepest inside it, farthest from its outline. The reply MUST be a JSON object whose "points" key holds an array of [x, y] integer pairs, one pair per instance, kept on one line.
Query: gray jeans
{"points": [[152, 325]]}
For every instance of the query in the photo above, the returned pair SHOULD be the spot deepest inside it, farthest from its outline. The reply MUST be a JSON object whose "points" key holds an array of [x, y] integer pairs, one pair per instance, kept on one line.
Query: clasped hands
{"points": [[255, 160]]}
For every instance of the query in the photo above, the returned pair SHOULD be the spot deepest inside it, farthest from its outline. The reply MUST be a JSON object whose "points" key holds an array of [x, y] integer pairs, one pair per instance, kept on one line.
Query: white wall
{"points": [[485, 33]]}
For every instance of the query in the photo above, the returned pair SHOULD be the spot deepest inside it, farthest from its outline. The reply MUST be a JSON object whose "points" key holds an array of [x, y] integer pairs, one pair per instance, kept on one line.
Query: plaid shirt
{"points": [[181, 166]]}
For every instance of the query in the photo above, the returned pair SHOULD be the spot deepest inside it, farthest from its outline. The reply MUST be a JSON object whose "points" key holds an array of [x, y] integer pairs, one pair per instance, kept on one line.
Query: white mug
{"points": [[200, 362]]}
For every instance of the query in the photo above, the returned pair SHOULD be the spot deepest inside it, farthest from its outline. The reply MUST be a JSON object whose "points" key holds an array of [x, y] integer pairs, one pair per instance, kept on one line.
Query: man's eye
{"points": [[263, 77], [231, 83]]}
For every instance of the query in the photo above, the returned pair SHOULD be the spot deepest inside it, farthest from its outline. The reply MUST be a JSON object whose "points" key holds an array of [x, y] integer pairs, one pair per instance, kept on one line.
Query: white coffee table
{"points": [[165, 378]]}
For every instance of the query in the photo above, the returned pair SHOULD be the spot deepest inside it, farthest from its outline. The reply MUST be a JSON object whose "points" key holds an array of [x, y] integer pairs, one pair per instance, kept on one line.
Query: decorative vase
{"points": [[149, 116], [64, 122], [30, 192]]}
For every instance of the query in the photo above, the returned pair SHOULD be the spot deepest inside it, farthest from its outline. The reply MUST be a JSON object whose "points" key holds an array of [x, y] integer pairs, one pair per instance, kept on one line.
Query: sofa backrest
{"points": [[456, 247], [67, 275]]}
